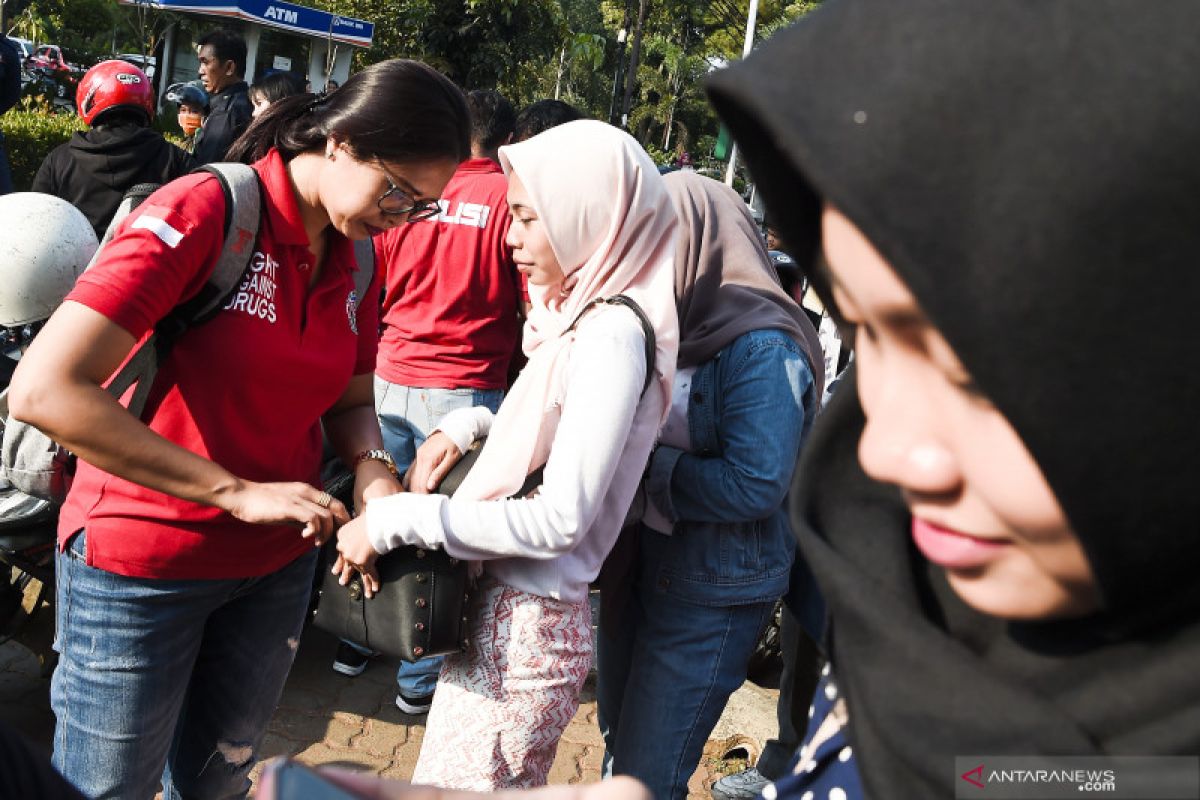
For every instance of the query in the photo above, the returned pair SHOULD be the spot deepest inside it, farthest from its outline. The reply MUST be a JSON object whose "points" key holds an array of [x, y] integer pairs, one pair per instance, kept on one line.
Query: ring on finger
{"points": [[324, 499]]}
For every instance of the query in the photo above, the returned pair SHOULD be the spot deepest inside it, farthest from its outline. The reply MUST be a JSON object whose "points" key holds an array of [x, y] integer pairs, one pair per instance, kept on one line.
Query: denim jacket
{"points": [[750, 408]]}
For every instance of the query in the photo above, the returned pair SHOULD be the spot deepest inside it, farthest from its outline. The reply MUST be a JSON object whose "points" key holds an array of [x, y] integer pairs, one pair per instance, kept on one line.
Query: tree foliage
{"points": [[477, 43], [532, 49], [82, 27], [529, 49]]}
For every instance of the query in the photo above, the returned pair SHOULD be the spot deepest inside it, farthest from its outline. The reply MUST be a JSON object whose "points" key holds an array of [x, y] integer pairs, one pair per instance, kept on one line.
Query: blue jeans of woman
{"points": [[407, 415], [171, 680], [664, 673]]}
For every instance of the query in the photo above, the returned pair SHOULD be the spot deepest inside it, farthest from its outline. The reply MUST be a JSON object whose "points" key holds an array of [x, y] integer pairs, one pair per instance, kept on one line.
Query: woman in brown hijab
{"points": [[715, 551]]}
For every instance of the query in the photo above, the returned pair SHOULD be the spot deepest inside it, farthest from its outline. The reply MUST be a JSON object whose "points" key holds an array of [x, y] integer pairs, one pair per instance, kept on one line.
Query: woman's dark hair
{"points": [[396, 110], [277, 86]]}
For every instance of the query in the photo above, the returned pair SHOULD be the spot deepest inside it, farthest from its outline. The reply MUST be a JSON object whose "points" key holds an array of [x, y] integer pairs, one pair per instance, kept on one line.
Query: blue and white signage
{"points": [[277, 14]]}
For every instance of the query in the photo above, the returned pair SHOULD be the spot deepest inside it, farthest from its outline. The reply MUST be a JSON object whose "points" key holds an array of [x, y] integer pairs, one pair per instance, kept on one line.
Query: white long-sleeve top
{"points": [[552, 544]]}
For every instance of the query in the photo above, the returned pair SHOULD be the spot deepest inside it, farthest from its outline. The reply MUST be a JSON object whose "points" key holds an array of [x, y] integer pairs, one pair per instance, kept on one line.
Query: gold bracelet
{"points": [[378, 455]]}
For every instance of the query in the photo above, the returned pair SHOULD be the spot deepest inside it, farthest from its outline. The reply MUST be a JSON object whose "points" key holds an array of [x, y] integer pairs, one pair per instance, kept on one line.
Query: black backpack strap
{"points": [[647, 329]]}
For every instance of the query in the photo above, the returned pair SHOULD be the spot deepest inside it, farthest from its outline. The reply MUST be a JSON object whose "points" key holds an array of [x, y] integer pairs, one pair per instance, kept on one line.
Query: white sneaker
{"points": [[414, 706], [743, 785]]}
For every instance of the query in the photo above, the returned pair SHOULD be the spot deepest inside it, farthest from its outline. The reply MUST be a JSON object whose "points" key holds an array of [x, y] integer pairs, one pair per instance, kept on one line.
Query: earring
{"points": [[329, 155]]}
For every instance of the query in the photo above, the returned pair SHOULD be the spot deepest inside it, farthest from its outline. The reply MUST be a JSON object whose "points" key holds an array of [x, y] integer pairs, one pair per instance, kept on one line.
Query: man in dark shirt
{"points": [[222, 55], [95, 169]]}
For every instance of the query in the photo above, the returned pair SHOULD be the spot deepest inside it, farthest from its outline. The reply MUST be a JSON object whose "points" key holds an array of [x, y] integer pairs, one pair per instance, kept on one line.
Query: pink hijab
{"points": [[610, 221]]}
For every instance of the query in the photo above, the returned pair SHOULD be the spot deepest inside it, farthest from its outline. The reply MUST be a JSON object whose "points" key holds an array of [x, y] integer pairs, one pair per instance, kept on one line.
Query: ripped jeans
{"points": [[171, 680]]}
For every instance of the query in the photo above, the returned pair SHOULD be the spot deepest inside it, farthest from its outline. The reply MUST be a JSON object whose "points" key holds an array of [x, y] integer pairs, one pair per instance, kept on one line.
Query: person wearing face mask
{"points": [[186, 544], [591, 220], [192, 103], [1000, 506]]}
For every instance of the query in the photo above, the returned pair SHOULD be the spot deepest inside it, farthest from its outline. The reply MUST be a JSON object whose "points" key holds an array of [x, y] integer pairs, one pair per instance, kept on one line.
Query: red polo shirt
{"points": [[450, 308], [246, 389]]}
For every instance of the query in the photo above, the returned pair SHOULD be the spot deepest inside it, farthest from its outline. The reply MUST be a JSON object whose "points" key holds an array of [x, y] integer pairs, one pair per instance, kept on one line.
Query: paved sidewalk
{"points": [[326, 718]]}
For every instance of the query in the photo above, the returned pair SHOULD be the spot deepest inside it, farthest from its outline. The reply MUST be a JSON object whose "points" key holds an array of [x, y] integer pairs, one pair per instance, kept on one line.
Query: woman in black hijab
{"points": [[1008, 198]]}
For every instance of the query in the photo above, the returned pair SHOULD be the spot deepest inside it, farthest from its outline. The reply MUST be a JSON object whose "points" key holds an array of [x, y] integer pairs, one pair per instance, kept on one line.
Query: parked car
{"points": [[25, 50], [54, 73], [50, 57], [24, 46]]}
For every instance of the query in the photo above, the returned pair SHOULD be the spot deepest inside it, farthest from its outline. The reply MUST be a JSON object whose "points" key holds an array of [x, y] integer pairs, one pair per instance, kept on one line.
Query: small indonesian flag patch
{"points": [[170, 236]]}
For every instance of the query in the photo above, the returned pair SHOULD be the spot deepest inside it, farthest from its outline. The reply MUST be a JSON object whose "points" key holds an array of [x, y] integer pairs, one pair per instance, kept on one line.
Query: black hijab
{"points": [[1030, 171]]}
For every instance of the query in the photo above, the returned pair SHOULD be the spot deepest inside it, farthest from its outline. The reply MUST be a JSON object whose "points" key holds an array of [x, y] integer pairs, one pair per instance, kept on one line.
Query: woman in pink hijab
{"points": [[591, 220]]}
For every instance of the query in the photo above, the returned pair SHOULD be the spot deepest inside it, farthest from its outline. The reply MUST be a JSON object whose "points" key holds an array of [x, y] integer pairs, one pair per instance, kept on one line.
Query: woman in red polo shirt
{"points": [[186, 544]]}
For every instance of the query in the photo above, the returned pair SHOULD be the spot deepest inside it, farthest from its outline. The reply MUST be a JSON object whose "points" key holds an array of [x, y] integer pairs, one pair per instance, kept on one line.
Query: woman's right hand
{"points": [[295, 504], [434, 460]]}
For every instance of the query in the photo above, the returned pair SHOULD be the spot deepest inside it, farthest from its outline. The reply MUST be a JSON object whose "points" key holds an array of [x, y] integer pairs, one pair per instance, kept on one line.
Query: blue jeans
{"points": [[407, 415], [171, 680], [664, 671]]}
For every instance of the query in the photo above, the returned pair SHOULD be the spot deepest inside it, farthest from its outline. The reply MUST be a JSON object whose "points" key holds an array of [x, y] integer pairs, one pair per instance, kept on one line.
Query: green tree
{"points": [[477, 43], [90, 29], [684, 40], [83, 27]]}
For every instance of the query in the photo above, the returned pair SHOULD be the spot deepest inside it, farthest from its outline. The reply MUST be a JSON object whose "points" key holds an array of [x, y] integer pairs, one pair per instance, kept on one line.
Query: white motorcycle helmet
{"points": [[45, 244]]}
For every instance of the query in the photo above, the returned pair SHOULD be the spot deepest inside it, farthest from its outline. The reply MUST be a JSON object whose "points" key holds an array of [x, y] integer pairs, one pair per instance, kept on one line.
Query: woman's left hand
{"points": [[435, 458], [356, 554]]}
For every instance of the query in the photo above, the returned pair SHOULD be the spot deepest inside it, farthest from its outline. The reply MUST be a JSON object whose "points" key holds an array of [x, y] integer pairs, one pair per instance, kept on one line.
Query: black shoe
{"points": [[349, 661], [414, 706]]}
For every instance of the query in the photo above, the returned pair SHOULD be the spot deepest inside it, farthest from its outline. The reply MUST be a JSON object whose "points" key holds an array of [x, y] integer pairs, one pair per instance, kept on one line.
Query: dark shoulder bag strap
{"points": [[534, 480], [647, 329]]}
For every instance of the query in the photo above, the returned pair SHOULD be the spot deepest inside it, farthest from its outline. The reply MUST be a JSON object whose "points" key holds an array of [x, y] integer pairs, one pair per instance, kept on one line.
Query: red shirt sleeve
{"points": [[161, 255]]}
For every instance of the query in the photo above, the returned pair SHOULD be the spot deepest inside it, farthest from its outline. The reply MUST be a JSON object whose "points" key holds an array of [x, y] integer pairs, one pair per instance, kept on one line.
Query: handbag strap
{"points": [[452, 481], [647, 329]]}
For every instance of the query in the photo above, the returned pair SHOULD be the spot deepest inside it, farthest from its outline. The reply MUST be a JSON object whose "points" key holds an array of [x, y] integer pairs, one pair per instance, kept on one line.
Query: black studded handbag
{"points": [[420, 608]]}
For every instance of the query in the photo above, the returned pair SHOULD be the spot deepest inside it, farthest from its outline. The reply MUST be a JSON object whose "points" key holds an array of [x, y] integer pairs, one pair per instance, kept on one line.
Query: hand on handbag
{"points": [[356, 554], [435, 458]]}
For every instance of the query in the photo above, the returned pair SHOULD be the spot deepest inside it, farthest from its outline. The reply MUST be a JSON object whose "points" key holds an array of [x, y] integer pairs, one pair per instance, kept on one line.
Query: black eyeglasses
{"points": [[395, 201]]}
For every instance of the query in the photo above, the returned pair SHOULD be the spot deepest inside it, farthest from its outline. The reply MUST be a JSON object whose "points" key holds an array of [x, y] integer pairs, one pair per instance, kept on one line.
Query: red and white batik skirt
{"points": [[501, 706]]}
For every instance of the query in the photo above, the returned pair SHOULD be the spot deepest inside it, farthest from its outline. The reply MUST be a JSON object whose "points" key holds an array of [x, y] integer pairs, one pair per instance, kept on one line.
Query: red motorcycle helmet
{"points": [[110, 84]]}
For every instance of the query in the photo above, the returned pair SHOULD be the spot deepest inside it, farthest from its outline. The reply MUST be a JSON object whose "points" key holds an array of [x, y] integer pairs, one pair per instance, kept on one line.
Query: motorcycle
{"points": [[56, 88], [28, 527]]}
